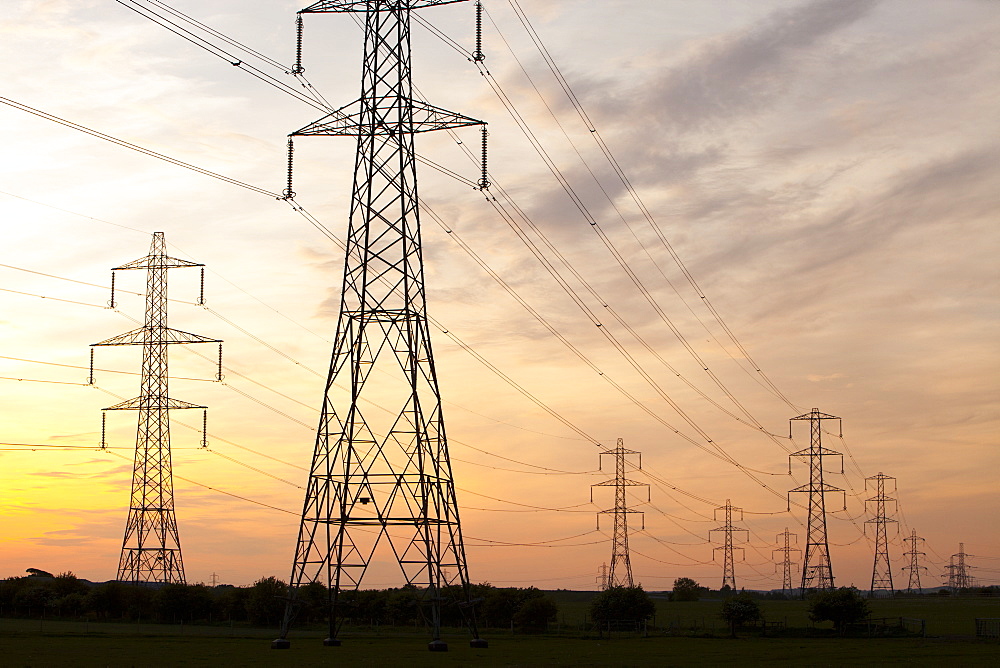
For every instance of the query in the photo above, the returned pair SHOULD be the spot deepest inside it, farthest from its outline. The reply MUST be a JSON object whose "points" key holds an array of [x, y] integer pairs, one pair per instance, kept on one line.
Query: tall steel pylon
{"points": [[914, 567], [882, 566], [382, 477], [602, 576], [728, 568], [620, 570], [817, 572], [958, 571], [786, 559], [151, 550]]}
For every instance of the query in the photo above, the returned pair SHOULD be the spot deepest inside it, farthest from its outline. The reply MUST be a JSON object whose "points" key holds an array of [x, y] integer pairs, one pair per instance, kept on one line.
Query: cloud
{"points": [[739, 74]]}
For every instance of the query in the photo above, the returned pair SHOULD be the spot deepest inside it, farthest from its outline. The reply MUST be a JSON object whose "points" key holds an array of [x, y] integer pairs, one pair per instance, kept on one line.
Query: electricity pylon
{"points": [[882, 567], [602, 576], [728, 569], [817, 572], [382, 476], [620, 571], [958, 571], [151, 550], [786, 559], [914, 567]]}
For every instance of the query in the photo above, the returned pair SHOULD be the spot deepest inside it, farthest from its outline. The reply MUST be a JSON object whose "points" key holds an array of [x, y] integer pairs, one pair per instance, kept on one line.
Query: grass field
{"points": [[945, 616], [950, 622], [102, 650]]}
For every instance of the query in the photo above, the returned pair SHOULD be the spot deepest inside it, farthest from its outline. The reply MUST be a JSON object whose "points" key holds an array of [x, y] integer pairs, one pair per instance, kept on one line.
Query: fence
{"points": [[988, 627]]}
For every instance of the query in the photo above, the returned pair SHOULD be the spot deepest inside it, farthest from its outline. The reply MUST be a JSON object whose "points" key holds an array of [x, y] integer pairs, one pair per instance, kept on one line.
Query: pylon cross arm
{"points": [[826, 487], [157, 262], [138, 402], [346, 6], [144, 335], [353, 121]]}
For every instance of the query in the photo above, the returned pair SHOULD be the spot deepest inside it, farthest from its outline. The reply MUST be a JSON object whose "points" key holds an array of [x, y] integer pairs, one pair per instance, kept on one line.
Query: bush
{"points": [[265, 603], [686, 589], [535, 614], [622, 604], [841, 606], [740, 610]]}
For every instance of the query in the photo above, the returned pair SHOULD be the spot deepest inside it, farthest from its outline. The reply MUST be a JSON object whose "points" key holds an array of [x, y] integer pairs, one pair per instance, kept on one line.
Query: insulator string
{"points": [[484, 181], [289, 193], [218, 374], [297, 68], [478, 56], [201, 289], [204, 428], [104, 422], [112, 304], [90, 378]]}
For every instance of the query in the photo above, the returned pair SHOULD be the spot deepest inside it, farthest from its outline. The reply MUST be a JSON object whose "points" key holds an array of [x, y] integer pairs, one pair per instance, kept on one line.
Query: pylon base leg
{"points": [[331, 642], [280, 643], [479, 643], [437, 646]]}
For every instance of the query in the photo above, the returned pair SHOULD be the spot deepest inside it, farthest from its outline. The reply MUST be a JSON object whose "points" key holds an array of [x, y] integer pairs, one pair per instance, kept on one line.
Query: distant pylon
{"points": [[728, 568], [958, 573], [914, 567], [817, 572], [602, 576], [620, 571], [882, 566], [151, 550], [382, 477], [786, 559]]}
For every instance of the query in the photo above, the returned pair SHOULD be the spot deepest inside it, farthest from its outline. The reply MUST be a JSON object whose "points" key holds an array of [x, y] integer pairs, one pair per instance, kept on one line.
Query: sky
{"points": [[826, 171]]}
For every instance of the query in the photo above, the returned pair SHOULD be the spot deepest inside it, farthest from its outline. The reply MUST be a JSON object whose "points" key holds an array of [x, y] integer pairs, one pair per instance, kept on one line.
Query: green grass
{"points": [[101, 650], [945, 616], [38, 643]]}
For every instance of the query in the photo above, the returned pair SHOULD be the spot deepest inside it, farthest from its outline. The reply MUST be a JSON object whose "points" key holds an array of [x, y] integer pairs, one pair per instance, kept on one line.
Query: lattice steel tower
{"points": [[958, 570], [914, 567], [728, 568], [786, 559], [151, 550], [817, 573], [620, 570], [882, 567], [382, 474]]}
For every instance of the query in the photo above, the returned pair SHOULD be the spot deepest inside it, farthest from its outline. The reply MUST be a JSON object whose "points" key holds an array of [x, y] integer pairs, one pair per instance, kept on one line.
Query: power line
{"points": [[135, 147]]}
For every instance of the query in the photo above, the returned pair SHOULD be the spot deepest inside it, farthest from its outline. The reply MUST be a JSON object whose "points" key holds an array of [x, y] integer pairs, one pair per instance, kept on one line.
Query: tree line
{"points": [[263, 603]]}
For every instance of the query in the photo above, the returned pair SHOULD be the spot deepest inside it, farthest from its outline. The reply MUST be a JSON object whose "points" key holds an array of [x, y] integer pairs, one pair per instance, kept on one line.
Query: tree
{"points": [[841, 606], [740, 610], [535, 614], [38, 573], [266, 601], [622, 604], [686, 589]]}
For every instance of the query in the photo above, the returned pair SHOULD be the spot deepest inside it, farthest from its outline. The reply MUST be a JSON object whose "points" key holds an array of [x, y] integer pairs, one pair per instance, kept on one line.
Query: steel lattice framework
{"points": [[382, 476], [817, 573], [620, 571], [786, 559], [151, 549], [728, 529], [914, 567], [958, 571], [882, 566]]}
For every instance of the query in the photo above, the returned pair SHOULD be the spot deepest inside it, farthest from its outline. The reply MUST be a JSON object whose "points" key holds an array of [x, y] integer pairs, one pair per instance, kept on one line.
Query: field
{"points": [[683, 636]]}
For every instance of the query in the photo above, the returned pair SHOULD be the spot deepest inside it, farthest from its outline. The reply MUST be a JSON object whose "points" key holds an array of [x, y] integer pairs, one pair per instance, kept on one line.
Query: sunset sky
{"points": [[828, 171]]}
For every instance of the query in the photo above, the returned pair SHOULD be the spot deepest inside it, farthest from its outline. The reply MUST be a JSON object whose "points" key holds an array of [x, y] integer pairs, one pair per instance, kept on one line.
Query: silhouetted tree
{"points": [[740, 610], [534, 614], [841, 606], [622, 603], [265, 603], [686, 589]]}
